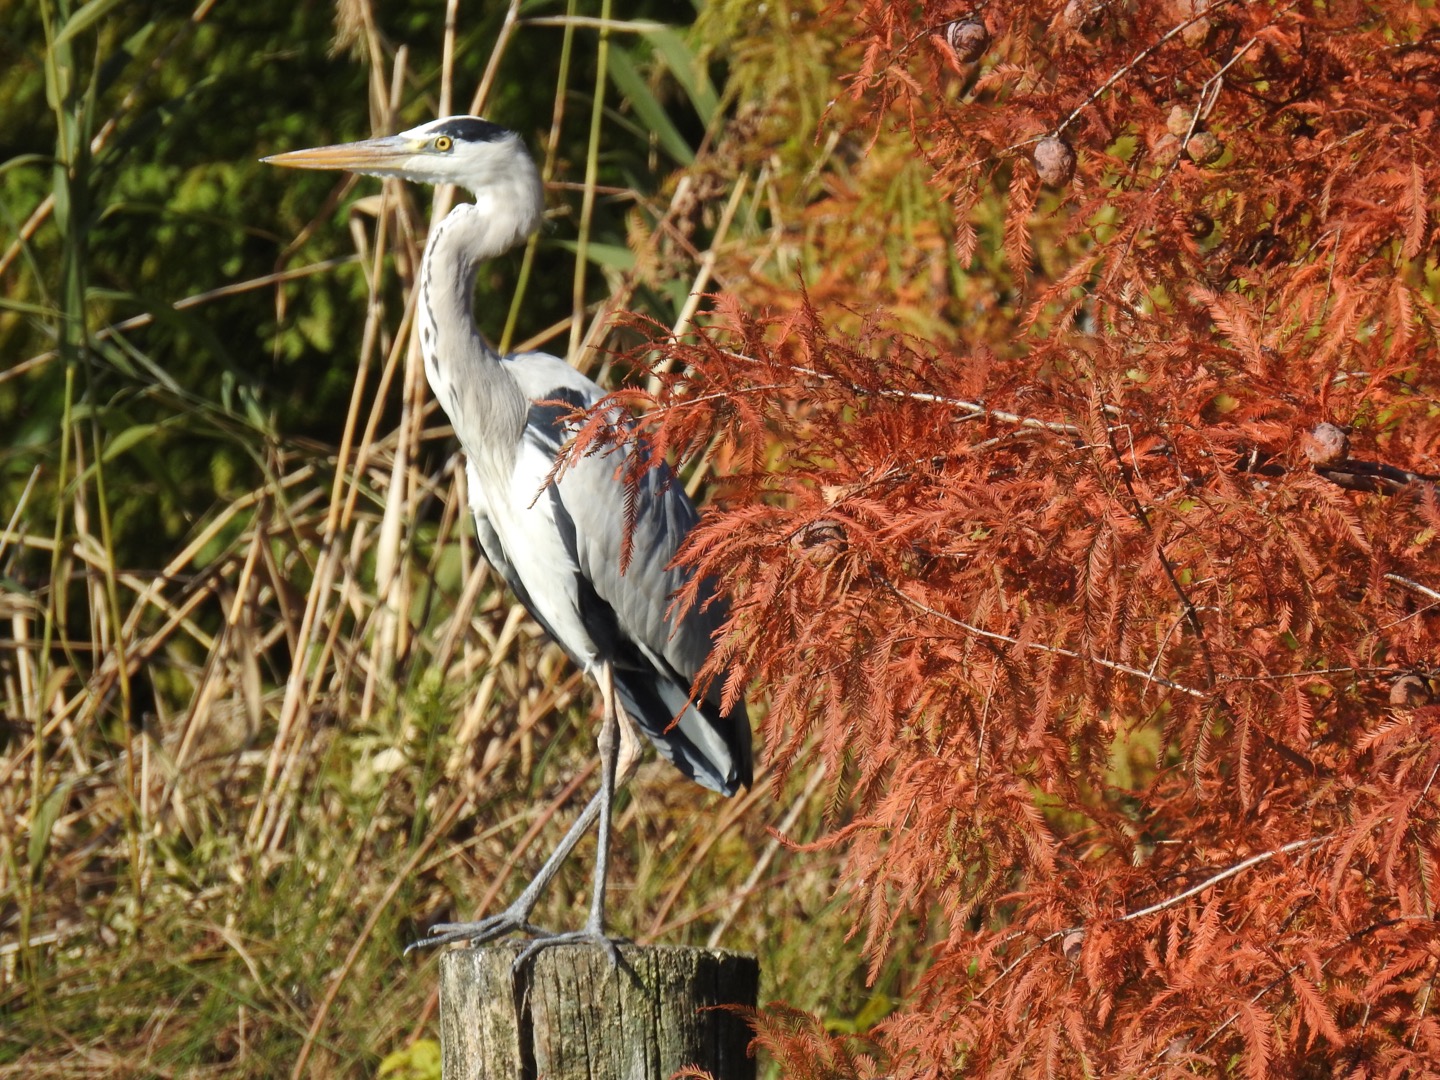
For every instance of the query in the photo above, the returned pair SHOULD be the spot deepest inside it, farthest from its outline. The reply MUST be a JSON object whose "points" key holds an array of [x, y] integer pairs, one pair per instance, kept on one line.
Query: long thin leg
{"points": [[609, 743], [620, 749], [516, 918], [619, 744]]}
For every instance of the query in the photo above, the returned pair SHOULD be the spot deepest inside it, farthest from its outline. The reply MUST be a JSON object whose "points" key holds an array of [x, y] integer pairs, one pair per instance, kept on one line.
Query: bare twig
{"points": [[1100, 91], [624, 26], [1273, 983], [752, 881], [1414, 586], [1372, 476], [1130, 65], [975, 409], [1192, 614], [1228, 872], [990, 635]]}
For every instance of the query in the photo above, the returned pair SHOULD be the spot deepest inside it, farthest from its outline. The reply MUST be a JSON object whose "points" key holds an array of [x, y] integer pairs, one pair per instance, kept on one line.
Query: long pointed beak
{"points": [[382, 156]]}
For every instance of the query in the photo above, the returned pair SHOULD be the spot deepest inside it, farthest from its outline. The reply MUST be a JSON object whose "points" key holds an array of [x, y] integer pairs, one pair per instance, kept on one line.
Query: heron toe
{"points": [[475, 933], [571, 937]]}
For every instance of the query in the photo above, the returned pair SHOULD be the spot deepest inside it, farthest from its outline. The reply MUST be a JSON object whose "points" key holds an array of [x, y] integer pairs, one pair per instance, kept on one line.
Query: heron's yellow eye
{"points": [[443, 143]]}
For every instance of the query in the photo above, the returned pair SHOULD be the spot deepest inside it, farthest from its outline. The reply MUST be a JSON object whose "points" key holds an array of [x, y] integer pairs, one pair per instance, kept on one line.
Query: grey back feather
{"points": [[631, 618]]}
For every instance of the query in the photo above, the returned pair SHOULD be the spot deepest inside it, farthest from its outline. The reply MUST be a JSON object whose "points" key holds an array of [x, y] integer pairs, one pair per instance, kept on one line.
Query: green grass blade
{"points": [[605, 256], [43, 824], [688, 71], [629, 82], [83, 19]]}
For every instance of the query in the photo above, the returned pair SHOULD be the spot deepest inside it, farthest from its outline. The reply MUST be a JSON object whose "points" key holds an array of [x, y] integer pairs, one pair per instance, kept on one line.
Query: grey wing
{"points": [[499, 559], [654, 654], [539, 377], [542, 377], [657, 652]]}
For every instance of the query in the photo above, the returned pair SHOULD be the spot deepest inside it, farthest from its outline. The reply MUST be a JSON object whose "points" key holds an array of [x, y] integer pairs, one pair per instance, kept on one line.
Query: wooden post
{"points": [[569, 1013]]}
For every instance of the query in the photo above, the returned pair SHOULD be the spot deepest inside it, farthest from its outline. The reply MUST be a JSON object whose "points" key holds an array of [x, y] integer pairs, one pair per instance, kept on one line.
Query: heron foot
{"points": [[477, 933], [588, 936], [507, 922]]}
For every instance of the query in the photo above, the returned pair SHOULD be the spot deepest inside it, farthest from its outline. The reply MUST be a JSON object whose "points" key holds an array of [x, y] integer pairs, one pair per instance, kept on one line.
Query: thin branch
{"points": [[1229, 872], [1298, 965], [624, 26], [975, 409], [1144, 54], [1020, 960], [1114, 77], [1055, 649], [1310, 673], [1192, 615], [1414, 586], [1372, 476], [1253, 999]]}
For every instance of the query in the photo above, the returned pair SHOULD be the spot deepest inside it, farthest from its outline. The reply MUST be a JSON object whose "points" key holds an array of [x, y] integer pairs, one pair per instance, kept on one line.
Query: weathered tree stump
{"points": [[570, 1013]]}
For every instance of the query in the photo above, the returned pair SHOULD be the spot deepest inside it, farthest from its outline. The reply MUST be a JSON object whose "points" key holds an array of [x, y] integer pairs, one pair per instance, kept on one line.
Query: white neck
{"points": [[483, 403]]}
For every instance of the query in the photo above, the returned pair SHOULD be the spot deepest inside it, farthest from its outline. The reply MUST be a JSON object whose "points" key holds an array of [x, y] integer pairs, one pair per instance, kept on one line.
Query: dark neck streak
{"points": [[485, 406]]}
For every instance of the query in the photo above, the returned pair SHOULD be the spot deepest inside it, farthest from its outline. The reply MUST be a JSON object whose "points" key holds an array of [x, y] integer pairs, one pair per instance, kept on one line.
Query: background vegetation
{"points": [[1070, 418]]}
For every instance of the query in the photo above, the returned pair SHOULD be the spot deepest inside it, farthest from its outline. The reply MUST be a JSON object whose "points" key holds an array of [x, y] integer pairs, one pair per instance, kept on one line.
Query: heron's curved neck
{"points": [[463, 370]]}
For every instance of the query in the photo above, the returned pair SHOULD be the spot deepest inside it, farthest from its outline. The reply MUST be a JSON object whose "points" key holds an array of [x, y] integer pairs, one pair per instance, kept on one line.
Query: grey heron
{"points": [[556, 544]]}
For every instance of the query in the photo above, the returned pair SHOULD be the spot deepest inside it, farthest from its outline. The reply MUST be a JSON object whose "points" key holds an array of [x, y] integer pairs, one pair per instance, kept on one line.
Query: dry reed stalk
{"points": [[701, 281], [295, 616]]}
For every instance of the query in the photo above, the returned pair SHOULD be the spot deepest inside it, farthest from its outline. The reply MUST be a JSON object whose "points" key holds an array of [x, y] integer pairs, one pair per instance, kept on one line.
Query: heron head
{"points": [[484, 158]]}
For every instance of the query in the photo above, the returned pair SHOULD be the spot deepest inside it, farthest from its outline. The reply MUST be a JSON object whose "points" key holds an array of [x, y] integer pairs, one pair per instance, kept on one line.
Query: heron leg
{"points": [[620, 750], [632, 747], [515, 919], [619, 745], [619, 753]]}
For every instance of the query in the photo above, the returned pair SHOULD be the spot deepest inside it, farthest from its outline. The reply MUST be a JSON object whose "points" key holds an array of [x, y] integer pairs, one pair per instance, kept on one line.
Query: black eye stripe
{"points": [[470, 129]]}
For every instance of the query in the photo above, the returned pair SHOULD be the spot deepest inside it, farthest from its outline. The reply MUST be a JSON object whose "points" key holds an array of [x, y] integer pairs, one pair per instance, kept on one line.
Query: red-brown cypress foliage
{"points": [[1121, 625]]}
